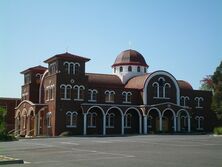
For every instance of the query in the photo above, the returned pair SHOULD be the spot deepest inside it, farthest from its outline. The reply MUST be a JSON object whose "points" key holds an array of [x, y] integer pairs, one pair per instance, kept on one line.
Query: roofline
{"points": [[64, 54], [130, 63]]}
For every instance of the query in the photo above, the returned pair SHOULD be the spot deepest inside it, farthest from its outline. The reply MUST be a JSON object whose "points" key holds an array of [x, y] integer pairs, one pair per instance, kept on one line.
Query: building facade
{"points": [[64, 98]]}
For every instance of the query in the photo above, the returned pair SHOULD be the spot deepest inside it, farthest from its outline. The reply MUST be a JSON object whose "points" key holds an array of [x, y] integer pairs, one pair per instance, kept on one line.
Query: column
{"points": [[175, 124], [35, 125], [188, 120], [145, 124], [122, 124], [84, 123], [104, 124], [161, 124], [140, 123]]}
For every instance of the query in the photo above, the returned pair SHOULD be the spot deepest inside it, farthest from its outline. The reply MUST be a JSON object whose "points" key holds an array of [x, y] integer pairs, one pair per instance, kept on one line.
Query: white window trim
{"points": [[91, 95], [127, 94], [126, 121], [65, 91], [49, 119], [199, 118], [109, 96], [71, 119], [184, 99], [91, 120], [108, 122], [78, 92], [199, 99], [69, 66]]}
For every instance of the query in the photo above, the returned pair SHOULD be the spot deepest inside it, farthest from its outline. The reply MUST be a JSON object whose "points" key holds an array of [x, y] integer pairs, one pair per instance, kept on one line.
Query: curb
{"points": [[8, 160]]}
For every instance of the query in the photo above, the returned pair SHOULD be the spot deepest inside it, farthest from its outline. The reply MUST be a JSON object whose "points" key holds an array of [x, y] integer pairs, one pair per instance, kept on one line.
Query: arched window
{"points": [[121, 69], [138, 69], [109, 96], [71, 119], [91, 119], [48, 119], [114, 69], [166, 90], [199, 101], [183, 100], [161, 88], [110, 120], [156, 89], [68, 91], [130, 68], [128, 120], [72, 68], [62, 91], [67, 70], [149, 121], [81, 92], [200, 122], [92, 95], [77, 68], [127, 97], [144, 69]]}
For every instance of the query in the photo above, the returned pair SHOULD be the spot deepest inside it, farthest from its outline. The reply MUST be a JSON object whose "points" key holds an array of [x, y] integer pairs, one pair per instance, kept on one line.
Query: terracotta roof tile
{"points": [[36, 68], [137, 82], [184, 84], [104, 79], [67, 56]]}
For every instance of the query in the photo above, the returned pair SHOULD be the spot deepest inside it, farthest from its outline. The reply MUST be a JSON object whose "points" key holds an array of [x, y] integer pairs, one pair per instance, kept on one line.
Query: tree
{"points": [[207, 83], [217, 87], [2, 121]]}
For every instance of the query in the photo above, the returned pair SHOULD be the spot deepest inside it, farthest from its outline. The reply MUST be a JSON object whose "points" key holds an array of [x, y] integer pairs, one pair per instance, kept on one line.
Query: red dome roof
{"points": [[130, 57]]}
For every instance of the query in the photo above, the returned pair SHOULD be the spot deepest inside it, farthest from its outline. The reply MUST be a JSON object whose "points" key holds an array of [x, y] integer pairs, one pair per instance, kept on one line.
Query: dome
{"points": [[130, 57]]}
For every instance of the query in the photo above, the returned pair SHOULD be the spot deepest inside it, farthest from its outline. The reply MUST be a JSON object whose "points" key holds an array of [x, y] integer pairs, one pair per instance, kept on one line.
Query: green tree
{"points": [[217, 90], [214, 83], [2, 121]]}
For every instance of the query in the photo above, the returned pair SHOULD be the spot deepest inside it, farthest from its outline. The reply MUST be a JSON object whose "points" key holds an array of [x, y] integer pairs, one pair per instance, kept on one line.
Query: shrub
{"points": [[218, 130]]}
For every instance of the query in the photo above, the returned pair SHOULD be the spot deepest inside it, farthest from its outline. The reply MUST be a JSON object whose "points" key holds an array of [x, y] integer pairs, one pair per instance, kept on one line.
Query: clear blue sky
{"points": [[183, 37]]}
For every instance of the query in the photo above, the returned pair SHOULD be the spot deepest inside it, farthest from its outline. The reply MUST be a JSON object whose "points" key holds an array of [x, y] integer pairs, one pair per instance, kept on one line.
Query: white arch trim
{"points": [[18, 113], [114, 107], [140, 117], [154, 108], [160, 73], [31, 109], [169, 109], [41, 83], [25, 101], [95, 107], [183, 110]]}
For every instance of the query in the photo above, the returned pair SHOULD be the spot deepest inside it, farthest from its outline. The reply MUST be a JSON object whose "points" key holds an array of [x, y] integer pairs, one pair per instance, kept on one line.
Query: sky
{"points": [[183, 37]]}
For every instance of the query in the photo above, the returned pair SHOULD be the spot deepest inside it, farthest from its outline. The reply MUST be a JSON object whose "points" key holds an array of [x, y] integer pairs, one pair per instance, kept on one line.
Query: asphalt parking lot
{"points": [[131, 151]]}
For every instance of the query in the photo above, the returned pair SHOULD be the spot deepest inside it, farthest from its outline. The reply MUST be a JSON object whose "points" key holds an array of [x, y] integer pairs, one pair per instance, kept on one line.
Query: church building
{"points": [[64, 98]]}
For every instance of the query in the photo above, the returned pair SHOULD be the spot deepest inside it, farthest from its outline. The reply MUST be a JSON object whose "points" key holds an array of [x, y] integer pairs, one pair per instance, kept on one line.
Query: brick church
{"points": [[64, 98]]}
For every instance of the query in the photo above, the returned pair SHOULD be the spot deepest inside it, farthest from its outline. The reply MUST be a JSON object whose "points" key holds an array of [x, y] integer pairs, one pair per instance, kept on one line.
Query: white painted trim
{"points": [[161, 73]]}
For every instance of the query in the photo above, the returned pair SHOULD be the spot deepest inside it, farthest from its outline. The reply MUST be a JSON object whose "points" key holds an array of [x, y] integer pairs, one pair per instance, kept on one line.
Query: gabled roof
{"points": [[67, 56], [39, 68], [106, 80]]}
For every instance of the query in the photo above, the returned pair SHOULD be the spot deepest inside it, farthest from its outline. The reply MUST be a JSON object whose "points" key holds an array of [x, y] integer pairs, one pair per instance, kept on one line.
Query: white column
{"points": [[145, 124], [161, 124], [122, 124], [175, 124], [140, 123], [104, 124], [188, 120], [84, 123], [39, 122]]}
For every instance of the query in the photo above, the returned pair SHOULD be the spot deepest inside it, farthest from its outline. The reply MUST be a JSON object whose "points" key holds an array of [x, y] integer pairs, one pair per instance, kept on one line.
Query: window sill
{"points": [[109, 101], [78, 100], [165, 98], [127, 102], [91, 127], [199, 107], [65, 99], [71, 126], [111, 127], [92, 101]]}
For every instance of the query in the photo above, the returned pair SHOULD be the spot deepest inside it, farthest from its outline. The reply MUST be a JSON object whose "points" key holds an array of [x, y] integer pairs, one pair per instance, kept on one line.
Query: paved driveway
{"points": [[131, 151]]}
